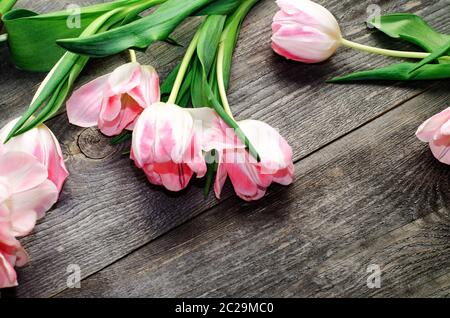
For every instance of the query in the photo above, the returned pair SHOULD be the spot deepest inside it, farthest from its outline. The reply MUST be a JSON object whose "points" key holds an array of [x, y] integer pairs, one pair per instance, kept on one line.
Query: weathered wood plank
{"points": [[107, 208], [376, 196]]}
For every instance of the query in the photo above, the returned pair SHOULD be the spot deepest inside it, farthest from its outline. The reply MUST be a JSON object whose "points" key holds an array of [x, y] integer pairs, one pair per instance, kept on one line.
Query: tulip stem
{"points": [[183, 68], [133, 57], [220, 80], [385, 52]]}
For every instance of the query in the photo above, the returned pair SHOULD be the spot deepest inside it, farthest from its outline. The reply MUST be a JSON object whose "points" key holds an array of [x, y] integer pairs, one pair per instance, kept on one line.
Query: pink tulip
{"points": [[42, 144], [165, 145], [305, 31], [113, 102], [26, 194], [436, 131], [250, 178]]}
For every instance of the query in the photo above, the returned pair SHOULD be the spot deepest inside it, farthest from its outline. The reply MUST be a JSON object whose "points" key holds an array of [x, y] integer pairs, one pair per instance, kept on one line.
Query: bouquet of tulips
{"points": [[183, 126]]}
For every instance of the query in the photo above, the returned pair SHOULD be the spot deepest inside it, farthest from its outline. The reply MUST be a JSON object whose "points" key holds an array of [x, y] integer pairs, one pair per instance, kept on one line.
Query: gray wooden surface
{"points": [[366, 190]]}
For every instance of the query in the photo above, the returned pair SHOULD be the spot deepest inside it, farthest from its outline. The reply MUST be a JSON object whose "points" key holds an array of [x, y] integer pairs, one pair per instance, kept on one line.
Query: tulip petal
{"points": [[309, 13], [39, 199], [303, 43], [441, 152], [148, 91], [124, 78], [84, 106], [21, 171], [174, 177], [41, 143], [275, 152], [8, 276], [428, 129], [163, 133]]}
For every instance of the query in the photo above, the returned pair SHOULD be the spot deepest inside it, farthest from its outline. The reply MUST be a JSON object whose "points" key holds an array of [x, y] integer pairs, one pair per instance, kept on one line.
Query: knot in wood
{"points": [[94, 145]]}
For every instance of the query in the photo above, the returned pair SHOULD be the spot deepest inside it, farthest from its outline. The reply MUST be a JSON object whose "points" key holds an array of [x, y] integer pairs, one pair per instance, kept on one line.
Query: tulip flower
{"points": [[26, 194], [43, 145], [249, 177], [113, 102], [165, 145], [305, 31], [436, 132]]}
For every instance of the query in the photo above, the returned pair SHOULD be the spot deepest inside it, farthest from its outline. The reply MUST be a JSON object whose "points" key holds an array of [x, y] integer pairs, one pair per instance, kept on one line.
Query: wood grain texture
{"points": [[107, 209], [376, 196]]}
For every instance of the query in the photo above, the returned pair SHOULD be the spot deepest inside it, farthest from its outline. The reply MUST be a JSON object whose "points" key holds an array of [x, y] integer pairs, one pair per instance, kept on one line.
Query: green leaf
{"points": [[124, 136], [138, 34], [167, 85], [199, 89], [433, 56], [399, 72], [230, 35], [54, 83], [212, 164], [57, 85], [231, 123], [224, 7], [209, 39], [411, 28], [32, 37], [6, 5]]}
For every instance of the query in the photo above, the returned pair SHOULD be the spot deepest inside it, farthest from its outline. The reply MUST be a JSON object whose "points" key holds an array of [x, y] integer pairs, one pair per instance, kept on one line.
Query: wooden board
{"points": [[108, 210], [352, 206]]}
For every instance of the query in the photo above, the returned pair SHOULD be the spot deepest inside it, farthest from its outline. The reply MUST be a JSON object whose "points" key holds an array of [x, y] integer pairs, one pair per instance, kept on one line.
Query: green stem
{"points": [[385, 52], [220, 80], [183, 68], [133, 57]]}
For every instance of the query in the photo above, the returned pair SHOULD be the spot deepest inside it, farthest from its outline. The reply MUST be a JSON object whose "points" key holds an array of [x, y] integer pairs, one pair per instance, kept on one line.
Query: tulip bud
{"points": [[113, 102], [305, 31], [436, 132], [165, 145], [41, 143]]}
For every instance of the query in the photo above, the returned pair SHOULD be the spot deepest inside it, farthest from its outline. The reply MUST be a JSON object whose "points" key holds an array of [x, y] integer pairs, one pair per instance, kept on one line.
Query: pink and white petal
{"points": [[212, 132], [130, 112], [21, 257], [21, 171], [195, 160], [124, 78], [8, 276], [175, 132], [111, 108], [144, 137], [50, 154], [303, 43], [39, 199], [243, 175], [310, 13], [221, 177], [152, 176], [23, 223], [284, 177], [27, 142], [174, 177], [83, 107], [148, 91], [427, 130], [275, 152], [441, 152]]}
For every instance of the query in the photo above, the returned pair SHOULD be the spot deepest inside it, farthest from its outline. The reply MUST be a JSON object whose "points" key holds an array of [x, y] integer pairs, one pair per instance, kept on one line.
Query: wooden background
{"points": [[366, 190]]}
